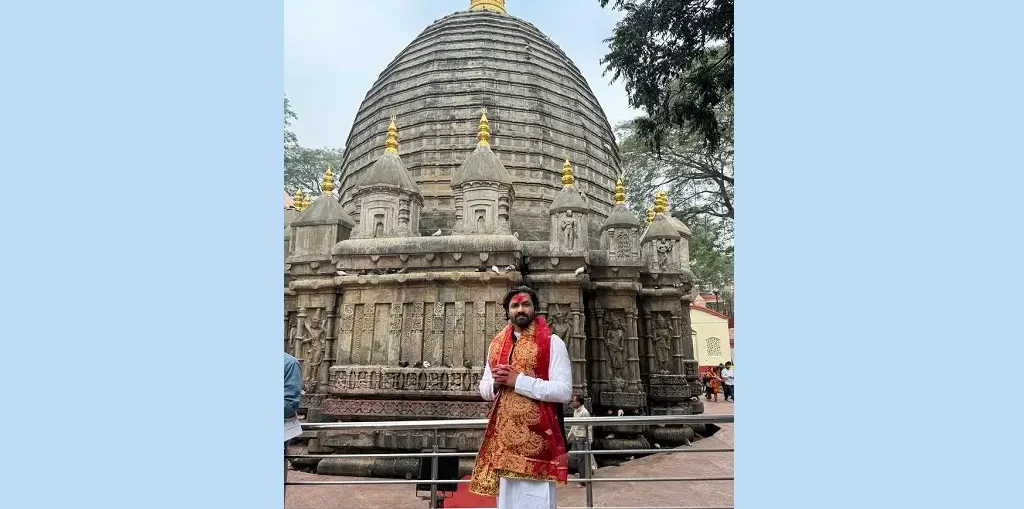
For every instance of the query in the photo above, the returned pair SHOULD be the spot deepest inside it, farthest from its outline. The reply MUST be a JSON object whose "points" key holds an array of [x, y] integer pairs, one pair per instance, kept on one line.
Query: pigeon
{"points": [[481, 269], [426, 364], [495, 269], [580, 270], [403, 364], [468, 364], [419, 364], [515, 234], [401, 270], [511, 268], [436, 234], [657, 446], [342, 273], [362, 272]]}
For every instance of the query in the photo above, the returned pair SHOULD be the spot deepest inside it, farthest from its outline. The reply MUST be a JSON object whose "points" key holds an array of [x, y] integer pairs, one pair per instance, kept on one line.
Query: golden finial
{"points": [[488, 5], [328, 184], [660, 201], [650, 215], [297, 200], [305, 202], [484, 132], [620, 193], [567, 178], [391, 144]]}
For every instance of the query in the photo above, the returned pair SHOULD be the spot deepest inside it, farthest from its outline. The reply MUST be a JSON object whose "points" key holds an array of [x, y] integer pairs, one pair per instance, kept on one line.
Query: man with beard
{"points": [[528, 375]]}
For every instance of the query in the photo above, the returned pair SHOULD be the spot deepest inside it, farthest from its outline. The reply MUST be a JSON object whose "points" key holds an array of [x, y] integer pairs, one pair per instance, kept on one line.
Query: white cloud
{"points": [[334, 50]]}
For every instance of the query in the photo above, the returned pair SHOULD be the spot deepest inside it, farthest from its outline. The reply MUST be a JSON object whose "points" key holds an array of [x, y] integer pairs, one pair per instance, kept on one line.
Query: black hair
{"points": [[516, 291], [578, 398]]}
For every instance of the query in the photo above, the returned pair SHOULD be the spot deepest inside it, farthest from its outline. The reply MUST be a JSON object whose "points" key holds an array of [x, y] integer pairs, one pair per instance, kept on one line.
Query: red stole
{"points": [[523, 439]]}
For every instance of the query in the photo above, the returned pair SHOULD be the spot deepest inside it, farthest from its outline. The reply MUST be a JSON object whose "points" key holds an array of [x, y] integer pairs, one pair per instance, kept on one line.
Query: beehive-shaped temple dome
{"points": [[540, 109]]}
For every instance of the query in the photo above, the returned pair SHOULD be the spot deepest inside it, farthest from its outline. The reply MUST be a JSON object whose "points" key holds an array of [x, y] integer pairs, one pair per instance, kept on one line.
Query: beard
{"points": [[523, 320]]}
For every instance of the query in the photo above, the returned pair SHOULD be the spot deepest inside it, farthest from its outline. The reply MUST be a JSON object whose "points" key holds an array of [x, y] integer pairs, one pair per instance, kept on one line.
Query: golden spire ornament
{"points": [[391, 144], [620, 193], [650, 215], [305, 202], [488, 5], [328, 184], [567, 178], [297, 200], [483, 134], [660, 201]]}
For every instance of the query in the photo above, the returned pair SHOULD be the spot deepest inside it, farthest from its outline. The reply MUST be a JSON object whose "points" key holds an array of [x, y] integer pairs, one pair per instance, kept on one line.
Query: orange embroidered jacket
{"points": [[523, 438]]}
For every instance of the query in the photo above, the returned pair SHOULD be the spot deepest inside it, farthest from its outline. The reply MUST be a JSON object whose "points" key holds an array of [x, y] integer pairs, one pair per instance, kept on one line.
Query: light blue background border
{"points": [[142, 157], [879, 207]]}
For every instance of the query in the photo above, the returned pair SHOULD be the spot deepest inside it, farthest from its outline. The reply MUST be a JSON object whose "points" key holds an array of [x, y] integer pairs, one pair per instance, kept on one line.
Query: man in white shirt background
{"points": [[729, 382]]}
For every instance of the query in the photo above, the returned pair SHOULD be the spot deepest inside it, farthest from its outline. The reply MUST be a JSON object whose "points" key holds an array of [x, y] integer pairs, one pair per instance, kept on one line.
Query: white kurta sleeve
{"points": [[558, 388], [487, 383]]}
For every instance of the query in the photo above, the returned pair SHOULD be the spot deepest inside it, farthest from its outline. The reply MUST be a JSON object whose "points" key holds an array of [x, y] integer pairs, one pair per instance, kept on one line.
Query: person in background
{"points": [[580, 434], [713, 383], [292, 386], [729, 379]]}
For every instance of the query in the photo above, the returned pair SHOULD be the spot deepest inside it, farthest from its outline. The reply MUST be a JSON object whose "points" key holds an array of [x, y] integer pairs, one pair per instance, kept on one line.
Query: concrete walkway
{"points": [[606, 494]]}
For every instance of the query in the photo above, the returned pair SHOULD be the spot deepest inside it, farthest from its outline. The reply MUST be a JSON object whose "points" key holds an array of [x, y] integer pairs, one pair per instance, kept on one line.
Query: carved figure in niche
{"points": [[615, 332], [378, 231], [315, 341], [623, 243], [293, 342], [569, 230], [560, 323], [662, 343], [663, 258], [480, 224]]}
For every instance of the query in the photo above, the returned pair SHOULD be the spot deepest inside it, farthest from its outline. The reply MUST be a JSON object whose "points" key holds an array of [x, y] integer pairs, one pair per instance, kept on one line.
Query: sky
{"points": [[335, 49]]}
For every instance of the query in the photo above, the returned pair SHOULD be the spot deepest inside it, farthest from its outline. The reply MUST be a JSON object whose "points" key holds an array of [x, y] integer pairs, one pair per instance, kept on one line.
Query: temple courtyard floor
{"points": [[606, 494]]}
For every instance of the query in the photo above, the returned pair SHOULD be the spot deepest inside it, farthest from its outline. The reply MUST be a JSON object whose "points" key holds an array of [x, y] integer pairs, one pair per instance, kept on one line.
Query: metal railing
{"points": [[586, 478]]}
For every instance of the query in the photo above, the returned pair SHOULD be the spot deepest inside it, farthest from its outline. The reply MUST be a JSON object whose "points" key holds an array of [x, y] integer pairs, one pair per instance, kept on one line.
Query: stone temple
{"points": [[478, 161]]}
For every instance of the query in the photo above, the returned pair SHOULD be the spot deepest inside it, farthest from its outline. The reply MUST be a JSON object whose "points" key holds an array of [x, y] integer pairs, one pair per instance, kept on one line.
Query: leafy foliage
{"points": [[304, 167], [676, 60], [289, 116]]}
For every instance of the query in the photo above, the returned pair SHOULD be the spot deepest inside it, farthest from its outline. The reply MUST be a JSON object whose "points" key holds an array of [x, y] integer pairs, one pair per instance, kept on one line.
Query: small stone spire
{"points": [[488, 5], [305, 202], [297, 200], [391, 144], [620, 193], [650, 215], [328, 184], [567, 178], [484, 131]]}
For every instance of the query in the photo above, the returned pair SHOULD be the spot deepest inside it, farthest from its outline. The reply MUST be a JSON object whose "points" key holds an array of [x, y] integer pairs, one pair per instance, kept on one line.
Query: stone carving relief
{"points": [[621, 243], [355, 380], [313, 338], [418, 409], [662, 342], [292, 343], [569, 226], [614, 341], [560, 323], [663, 254]]}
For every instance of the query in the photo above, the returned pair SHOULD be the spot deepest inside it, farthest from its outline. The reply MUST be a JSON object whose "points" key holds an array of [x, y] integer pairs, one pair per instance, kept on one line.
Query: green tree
{"points": [[711, 254], [304, 167], [676, 60], [698, 178], [290, 140]]}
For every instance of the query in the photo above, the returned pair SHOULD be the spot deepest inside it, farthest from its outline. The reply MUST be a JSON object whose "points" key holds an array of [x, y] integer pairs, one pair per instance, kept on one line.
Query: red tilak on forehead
{"points": [[519, 298]]}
